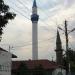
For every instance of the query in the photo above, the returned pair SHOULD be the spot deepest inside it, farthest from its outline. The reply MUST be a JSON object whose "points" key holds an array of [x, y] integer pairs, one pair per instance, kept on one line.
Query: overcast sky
{"points": [[52, 13]]}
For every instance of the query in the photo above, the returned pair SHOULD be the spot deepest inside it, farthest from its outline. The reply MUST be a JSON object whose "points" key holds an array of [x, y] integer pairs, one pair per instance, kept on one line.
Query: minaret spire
{"points": [[58, 41], [59, 50], [34, 3]]}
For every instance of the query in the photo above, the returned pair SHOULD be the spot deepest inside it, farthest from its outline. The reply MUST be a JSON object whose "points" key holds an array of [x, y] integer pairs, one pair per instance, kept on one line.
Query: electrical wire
{"points": [[20, 13], [23, 15], [19, 7], [23, 4], [30, 43], [28, 10], [34, 43]]}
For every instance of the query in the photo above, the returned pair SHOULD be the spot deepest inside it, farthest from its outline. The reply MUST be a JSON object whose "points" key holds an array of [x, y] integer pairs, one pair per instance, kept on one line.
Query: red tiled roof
{"points": [[46, 64]]}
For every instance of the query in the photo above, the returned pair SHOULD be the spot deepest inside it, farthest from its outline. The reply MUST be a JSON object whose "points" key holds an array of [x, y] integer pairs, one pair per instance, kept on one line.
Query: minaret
{"points": [[59, 50], [34, 19]]}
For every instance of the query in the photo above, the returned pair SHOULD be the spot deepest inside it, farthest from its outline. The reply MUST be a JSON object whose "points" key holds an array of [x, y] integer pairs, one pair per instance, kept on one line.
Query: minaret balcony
{"points": [[34, 17]]}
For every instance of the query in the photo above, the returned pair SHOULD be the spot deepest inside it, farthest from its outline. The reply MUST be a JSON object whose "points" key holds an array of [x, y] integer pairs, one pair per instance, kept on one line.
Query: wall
{"points": [[56, 71], [5, 63]]}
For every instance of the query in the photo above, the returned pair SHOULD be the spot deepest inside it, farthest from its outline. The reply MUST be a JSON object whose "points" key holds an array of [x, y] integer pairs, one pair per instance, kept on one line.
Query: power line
{"points": [[18, 7], [22, 4], [38, 8], [13, 48], [27, 8], [23, 10], [43, 22], [42, 10], [34, 43], [19, 13], [30, 42]]}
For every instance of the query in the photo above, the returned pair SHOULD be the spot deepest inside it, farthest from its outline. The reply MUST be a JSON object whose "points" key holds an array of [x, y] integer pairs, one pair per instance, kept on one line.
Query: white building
{"points": [[59, 71], [5, 62]]}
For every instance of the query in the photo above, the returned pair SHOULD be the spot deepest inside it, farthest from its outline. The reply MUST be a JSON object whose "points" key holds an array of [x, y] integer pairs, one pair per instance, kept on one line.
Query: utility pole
{"points": [[66, 35], [67, 46], [10, 58]]}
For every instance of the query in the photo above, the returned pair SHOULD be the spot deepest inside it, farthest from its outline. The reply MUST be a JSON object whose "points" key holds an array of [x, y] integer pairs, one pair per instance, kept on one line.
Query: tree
{"points": [[5, 16], [71, 59], [23, 69], [39, 70], [71, 54]]}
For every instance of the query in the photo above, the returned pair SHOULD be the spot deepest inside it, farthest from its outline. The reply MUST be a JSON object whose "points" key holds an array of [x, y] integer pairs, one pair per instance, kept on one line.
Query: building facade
{"points": [[5, 62], [36, 67]]}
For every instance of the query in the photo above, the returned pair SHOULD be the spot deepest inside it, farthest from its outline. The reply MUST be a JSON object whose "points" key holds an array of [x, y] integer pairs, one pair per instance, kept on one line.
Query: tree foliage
{"points": [[23, 69], [70, 59], [71, 55], [5, 16], [39, 70]]}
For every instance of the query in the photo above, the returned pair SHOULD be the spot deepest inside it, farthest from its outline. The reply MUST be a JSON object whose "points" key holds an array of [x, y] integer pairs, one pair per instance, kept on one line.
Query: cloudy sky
{"points": [[52, 13]]}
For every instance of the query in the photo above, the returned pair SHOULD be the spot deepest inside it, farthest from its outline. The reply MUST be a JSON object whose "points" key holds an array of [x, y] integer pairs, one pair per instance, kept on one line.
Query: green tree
{"points": [[5, 16], [23, 69], [39, 70], [71, 59]]}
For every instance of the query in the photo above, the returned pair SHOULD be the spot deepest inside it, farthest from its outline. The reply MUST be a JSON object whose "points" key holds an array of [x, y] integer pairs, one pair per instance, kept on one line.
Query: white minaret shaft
{"points": [[34, 19], [34, 41]]}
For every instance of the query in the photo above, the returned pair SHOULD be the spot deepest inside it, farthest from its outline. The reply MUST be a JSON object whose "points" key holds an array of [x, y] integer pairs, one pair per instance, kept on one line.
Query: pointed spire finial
{"points": [[34, 3], [59, 50], [58, 36], [58, 40]]}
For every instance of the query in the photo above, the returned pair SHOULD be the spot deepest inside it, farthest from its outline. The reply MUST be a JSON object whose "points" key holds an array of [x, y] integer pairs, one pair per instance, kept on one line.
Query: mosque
{"points": [[36, 66]]}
